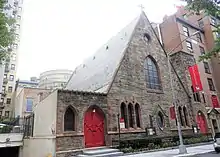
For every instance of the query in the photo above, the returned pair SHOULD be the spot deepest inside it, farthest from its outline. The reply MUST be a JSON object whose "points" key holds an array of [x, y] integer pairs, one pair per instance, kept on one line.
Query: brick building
{"points": [[182, 27], [128, 77]]}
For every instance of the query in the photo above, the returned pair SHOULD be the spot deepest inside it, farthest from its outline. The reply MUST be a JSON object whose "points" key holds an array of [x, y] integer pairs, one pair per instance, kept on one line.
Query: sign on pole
{"points": [[122, 123]]}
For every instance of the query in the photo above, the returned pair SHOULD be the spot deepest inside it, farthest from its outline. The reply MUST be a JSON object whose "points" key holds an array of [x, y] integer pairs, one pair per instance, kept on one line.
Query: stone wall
{"points": [[80, 101], [181, 62], [129, 85]]}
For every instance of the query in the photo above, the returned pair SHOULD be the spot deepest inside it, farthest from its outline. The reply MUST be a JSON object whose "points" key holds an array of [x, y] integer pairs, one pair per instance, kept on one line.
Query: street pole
{"points": [[182, 147]]}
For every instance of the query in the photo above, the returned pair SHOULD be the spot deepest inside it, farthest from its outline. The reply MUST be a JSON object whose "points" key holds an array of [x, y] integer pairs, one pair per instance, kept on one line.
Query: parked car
{"points": [[217, 142]]}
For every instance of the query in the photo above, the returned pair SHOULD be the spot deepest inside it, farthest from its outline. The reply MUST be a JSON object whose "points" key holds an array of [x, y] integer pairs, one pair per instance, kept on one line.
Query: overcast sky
{"points": [[60, 34]]}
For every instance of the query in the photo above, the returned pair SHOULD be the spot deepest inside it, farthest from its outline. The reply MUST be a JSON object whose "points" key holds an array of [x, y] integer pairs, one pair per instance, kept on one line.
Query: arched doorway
{"points": [[201, 122], [94, 124]]}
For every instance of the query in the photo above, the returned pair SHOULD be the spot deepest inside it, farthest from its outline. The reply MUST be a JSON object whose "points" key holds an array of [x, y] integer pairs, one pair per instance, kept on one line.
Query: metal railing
{"points": [[11, 125]]}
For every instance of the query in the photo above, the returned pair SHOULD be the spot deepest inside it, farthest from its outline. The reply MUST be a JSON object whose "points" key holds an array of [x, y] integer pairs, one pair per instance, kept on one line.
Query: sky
{"points": [[60, 34]]}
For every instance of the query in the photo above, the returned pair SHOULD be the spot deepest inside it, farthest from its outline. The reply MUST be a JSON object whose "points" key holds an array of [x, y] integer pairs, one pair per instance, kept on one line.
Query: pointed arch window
{"points": [[124, 114], [152, 73], [180, 116], [69, 120], [185, 113], [160, 120], [130, 115], [137, 113]]}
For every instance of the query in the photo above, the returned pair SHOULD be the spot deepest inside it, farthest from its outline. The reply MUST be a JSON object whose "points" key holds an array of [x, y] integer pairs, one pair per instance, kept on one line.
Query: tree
{"points": [[6, 31], [212, 8]]}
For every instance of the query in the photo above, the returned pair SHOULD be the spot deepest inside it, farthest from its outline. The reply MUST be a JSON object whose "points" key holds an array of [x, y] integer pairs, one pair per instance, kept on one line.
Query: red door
{"points": [[201, 123], [94, 128]]}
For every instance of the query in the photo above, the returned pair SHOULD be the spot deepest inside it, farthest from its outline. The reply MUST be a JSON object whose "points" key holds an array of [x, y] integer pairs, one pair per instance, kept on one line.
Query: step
{"points": [[112, 154], [99, 151]]}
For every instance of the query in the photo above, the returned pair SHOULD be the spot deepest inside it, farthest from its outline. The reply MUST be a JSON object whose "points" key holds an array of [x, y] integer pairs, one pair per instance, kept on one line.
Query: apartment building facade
{"points": [[181, 33], [13, 9], [208, 24]]}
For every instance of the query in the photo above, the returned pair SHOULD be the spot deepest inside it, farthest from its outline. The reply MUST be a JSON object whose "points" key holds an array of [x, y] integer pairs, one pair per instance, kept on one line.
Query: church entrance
{"points": [[94, 123], [201, 121]]}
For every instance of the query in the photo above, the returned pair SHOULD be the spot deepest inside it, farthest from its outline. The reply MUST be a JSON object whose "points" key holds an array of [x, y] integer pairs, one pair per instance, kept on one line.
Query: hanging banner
{"points": [[172, 112], [215, 103], [195, 78]]}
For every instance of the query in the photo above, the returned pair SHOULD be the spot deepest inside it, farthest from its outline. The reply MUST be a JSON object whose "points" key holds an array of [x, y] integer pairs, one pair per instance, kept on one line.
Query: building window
{"points": [[213, 21], [152, 74], [189, 46], [131, 115], [137, 113], [124, 114], [69, 120], [180, 116], [196, 95], [10, 89], [8, 101], [11, 78], [2, 100], [5, 76], [3, 89], [185, 113], [160, 120], [215, 103], [185, 31], [199, 37], [7, 114], [211, 84], [14, 57], [203, 97], [202, 50], [201, 23], [29, 105], [206, 67], [217, 34], [12, 66]]}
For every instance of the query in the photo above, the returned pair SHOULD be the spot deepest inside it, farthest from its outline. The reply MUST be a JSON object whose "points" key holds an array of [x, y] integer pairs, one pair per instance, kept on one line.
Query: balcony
{"points": [[5, 80], [6, 70], [2, 105], [4, 93]]}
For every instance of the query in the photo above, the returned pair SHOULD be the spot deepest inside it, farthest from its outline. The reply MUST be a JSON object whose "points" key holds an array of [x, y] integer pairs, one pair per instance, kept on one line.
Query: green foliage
{"points": [[6, 32], [212, 8], [151, 143]]}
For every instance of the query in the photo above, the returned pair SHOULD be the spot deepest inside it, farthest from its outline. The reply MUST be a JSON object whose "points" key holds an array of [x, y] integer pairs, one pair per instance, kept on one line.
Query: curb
{"points": [[170, 148]]}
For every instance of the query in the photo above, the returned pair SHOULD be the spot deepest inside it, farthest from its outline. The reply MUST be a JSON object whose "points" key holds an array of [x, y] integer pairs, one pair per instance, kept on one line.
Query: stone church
{"points": [[126, 80]]}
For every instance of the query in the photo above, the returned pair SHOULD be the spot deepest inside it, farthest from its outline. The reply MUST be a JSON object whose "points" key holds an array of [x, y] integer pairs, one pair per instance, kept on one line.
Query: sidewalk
{"points": [[175, 152]]}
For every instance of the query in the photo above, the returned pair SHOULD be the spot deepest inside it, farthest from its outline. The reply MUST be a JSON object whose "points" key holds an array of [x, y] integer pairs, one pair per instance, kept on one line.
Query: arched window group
{"points": [[183, 116], [151, 71], [69, 119], [131, 115]]}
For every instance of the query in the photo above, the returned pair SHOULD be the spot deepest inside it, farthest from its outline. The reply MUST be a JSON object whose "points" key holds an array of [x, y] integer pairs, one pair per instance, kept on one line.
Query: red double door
{"points": [[202, 123], [94, 128]]}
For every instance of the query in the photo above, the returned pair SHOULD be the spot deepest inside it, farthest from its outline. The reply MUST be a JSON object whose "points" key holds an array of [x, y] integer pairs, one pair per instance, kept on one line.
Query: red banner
{"points": [[215, 102], [195, 78], [172, 112]]}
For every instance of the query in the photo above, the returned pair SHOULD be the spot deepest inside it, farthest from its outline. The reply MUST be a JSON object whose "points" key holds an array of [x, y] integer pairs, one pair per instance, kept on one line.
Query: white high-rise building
{"points": [[13, 9]]}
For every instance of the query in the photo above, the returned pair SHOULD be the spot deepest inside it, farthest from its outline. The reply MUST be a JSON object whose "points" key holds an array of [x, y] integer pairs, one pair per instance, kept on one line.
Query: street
{"points": [[211, 154]]}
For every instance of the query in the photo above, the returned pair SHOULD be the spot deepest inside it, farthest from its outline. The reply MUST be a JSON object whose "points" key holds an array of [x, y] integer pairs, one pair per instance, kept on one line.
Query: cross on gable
{"points": [[141, 7]]}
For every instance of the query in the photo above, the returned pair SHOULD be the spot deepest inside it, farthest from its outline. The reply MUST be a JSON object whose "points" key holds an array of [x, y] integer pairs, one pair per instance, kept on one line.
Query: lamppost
{"points": [[182, 147]]}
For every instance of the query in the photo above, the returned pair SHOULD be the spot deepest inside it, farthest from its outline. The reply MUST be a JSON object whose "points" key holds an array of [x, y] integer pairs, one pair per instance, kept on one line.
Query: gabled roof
{"points": [[97, 72], [213, 110]]}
